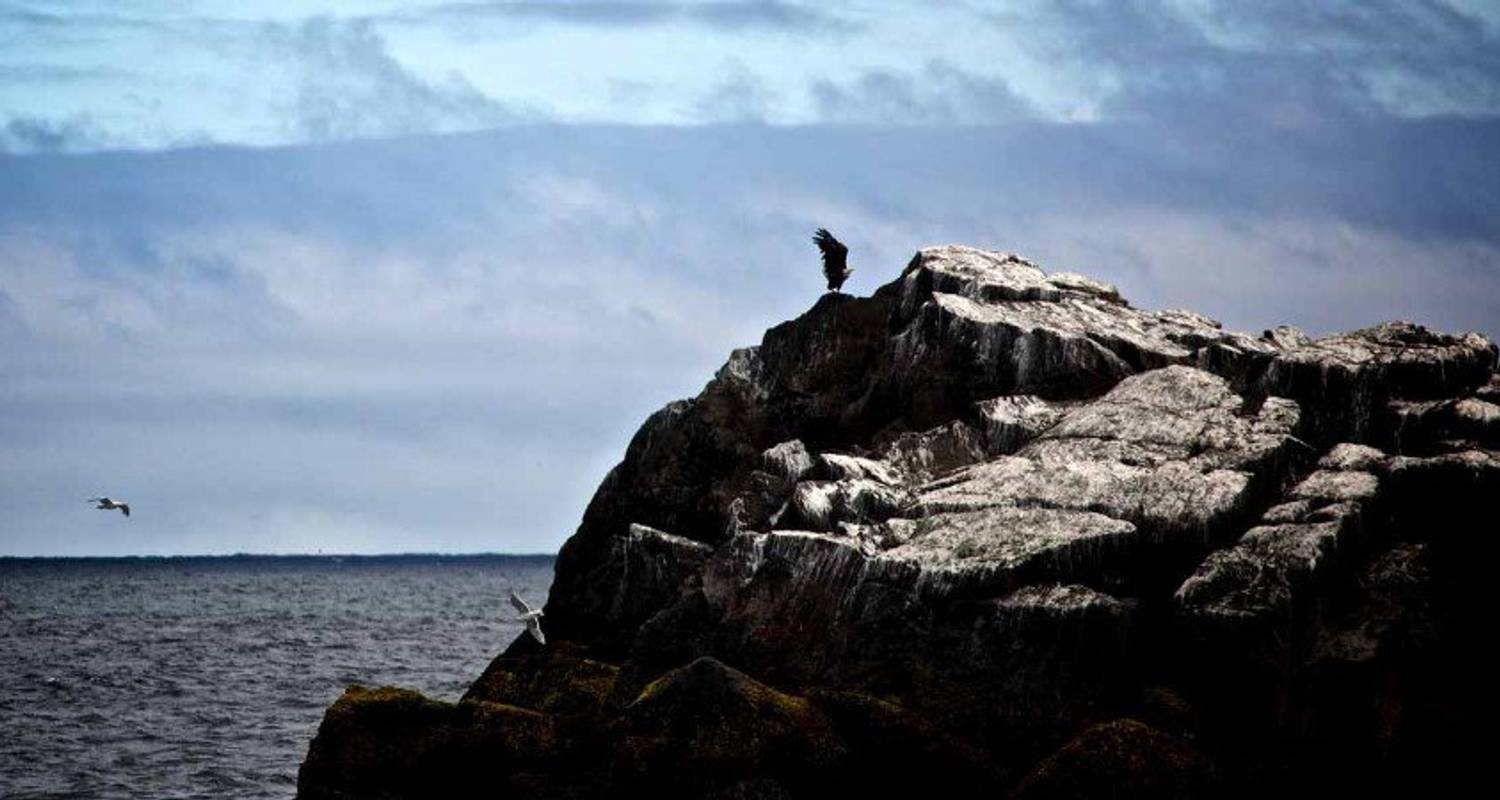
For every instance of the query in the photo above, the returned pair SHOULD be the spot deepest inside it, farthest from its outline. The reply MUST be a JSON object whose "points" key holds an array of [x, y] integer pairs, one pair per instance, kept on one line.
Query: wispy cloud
{"points": [[348, 86], [730, 15], [41, 135], [1293, 62], [56, 73], [159, 76], [938, 94], [741, 97]]}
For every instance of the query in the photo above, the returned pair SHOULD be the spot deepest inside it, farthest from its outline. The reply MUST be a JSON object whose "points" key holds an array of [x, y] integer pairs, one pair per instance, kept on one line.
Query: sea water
{"points": [[207, 677]]}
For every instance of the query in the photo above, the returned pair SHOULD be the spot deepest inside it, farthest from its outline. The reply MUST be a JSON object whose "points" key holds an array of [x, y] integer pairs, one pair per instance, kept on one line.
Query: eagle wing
{"points": [[835, 254]]}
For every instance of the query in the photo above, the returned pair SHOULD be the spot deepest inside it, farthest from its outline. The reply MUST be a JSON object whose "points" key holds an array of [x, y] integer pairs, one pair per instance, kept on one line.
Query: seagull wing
{"points": [[835, 254], [534, 627], [520, 604]]}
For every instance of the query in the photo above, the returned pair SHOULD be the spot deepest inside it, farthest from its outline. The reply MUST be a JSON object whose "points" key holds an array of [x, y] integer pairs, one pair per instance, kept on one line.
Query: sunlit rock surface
{"points": [[995, 515]]}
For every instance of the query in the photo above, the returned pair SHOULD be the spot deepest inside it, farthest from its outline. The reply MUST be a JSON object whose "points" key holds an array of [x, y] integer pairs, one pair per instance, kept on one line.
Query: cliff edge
{"points": [[996, 530]]}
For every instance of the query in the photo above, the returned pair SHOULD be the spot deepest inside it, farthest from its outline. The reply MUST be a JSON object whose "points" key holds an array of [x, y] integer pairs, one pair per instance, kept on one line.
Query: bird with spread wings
{"points": [[106, 504], [530, 616], [835, 259]]}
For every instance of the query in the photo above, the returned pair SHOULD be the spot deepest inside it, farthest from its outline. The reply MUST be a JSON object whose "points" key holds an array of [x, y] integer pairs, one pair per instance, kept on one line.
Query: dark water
{"points": [[208, 677]]}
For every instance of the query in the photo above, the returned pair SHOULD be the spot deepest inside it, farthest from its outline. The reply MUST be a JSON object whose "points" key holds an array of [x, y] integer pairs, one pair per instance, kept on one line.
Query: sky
{"points": [[378, 276]]}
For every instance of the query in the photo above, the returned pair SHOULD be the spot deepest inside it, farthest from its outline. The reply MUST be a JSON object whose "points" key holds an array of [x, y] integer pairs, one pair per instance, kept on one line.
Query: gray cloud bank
{"points": [[1204, 70], [441, 343]]}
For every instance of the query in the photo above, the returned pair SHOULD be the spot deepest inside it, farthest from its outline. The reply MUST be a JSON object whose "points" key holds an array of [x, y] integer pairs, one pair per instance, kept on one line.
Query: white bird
{"points": [[532, 617], [106, 504]]}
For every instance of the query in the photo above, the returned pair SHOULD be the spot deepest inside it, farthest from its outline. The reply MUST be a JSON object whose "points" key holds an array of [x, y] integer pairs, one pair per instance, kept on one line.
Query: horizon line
{"points": [[184, 556]]}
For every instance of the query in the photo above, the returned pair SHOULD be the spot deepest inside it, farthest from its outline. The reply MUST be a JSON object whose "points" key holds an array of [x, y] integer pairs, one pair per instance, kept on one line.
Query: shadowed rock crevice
{"points": [[1000, 514]]}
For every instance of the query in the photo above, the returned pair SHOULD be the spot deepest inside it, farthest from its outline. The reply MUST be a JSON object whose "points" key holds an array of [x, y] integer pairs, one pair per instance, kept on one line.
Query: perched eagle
{"points": [[834, 255]]}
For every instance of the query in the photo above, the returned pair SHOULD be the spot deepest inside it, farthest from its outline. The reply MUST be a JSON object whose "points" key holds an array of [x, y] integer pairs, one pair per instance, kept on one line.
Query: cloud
{"points": [[20, 16], [1205, 69], [349, 86], [26, 134], [55, 73], [1290, 63], [726, 15], [740, 97], [938, 94]]}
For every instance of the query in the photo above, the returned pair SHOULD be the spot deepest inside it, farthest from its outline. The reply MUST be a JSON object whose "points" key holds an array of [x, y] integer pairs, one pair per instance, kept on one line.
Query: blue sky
{"points": [[395, 276]]}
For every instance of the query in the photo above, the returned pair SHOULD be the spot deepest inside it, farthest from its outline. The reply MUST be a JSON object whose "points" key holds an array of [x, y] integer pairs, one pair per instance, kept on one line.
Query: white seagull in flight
{"points": [[532, 617], [106, 504]]}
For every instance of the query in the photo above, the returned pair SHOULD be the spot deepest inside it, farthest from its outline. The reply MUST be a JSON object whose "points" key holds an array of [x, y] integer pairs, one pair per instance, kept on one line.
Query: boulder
{"points": [[395, 743], [1122, 758]]}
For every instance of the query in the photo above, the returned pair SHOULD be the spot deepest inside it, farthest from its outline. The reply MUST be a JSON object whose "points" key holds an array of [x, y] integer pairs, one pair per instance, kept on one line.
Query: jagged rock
{"points": [[1345, 380], [1349, 456], [1011, 422], [822, 505], [644, 571], [990, 551], [922, 456], [1468, 421], [1286, 337], [1395, 614], [1072, 282], [1490, 392], [1068, 348], [989, 508], [1443, 496], [853, 468], [1169, 451], [1295, 543], [789, 460]]}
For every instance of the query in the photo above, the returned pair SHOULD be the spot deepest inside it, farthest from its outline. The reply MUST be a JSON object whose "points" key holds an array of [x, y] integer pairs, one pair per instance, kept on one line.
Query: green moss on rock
{"points": [[704, 727], [397, 743], [560, 680], [1122, 758]]}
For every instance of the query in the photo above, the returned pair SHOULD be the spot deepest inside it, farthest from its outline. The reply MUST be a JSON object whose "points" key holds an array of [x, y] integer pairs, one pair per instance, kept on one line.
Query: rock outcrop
{"points": [[964, 532]]}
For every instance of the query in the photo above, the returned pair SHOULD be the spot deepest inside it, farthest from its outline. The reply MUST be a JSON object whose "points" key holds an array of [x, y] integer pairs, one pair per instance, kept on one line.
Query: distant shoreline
{"points": [[364, 558]]}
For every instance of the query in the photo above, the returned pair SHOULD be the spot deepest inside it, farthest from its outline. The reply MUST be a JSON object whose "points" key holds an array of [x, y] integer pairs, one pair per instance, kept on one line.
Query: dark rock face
{"points": [[929, 537]]}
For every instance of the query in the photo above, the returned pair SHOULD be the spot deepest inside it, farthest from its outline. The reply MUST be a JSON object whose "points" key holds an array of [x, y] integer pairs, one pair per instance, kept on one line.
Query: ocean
{"points": [[207, 677]]}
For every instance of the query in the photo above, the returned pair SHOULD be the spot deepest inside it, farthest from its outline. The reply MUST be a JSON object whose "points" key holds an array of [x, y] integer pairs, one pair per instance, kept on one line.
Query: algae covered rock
{"points": [[706, 727], [1122, 758], [561, 681], [395, 743]]}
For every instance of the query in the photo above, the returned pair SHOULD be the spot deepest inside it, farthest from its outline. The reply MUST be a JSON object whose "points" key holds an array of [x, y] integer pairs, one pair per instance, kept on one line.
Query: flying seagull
{"points": [[106, 504], [835, 254], [532, 618]]}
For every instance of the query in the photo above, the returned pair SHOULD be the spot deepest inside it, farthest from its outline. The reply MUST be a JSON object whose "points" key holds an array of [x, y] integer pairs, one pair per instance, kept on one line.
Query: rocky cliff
{"points": [[996, 530]]}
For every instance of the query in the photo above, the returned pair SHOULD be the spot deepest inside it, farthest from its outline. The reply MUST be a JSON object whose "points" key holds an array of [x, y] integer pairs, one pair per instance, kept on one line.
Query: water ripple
{"points": [[208, 677]]}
